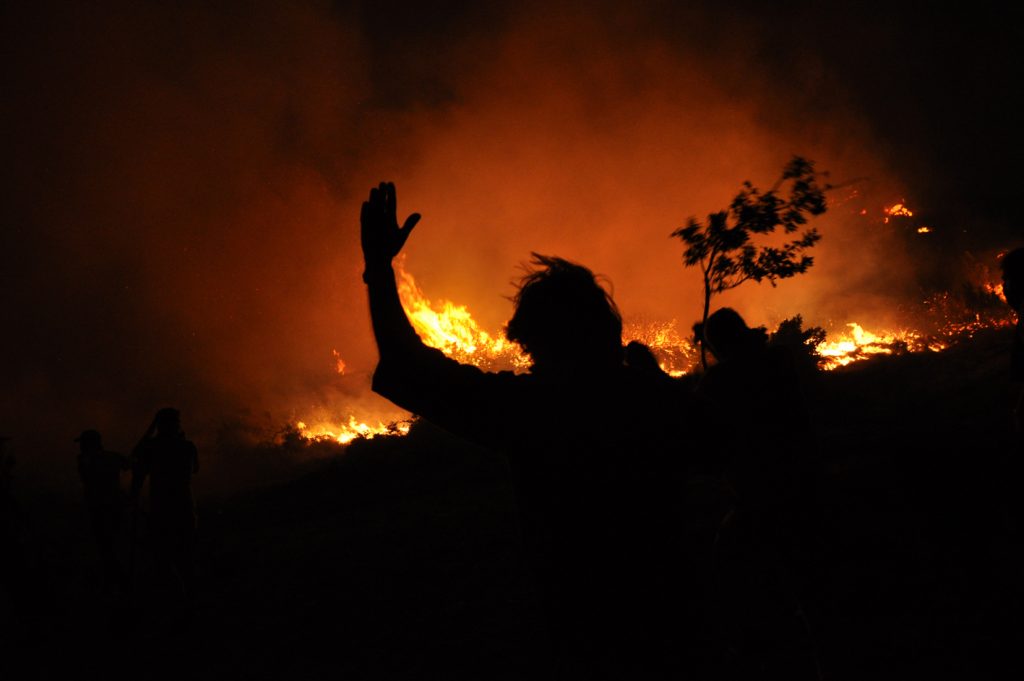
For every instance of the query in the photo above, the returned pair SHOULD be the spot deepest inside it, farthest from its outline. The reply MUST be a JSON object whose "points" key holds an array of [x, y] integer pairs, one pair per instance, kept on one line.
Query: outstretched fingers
{"points": [[406, 230], [390, 199], [380, 221]]}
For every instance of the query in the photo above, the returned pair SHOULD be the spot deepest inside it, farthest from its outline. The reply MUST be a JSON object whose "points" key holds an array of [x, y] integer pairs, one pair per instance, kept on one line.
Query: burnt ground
{"points": [[401, 559]]}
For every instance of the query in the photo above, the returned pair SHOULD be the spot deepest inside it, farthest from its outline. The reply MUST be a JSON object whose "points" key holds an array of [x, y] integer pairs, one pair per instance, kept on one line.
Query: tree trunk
{"points": [[703, 323]]}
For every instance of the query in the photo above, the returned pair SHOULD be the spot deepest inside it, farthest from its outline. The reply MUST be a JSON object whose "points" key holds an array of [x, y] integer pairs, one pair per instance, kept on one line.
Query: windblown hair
{"points": [[563, 315]]}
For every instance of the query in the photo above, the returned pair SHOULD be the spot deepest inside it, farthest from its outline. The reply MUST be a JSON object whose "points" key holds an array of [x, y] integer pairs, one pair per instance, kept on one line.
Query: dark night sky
{"points": [[181, 182]]}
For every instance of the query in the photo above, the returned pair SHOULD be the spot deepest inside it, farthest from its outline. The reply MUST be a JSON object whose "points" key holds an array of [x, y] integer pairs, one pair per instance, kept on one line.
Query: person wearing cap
{"points": [[100, 473], [169, 460]]}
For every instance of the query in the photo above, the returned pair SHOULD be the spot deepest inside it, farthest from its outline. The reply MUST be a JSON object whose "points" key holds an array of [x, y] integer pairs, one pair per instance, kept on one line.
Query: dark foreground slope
{"points": [[401, 558]]}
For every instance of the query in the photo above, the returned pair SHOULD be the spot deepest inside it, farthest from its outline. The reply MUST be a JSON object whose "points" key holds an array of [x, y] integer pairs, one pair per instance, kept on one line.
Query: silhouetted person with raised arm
{"points": [[755, 390], [593, 447], [99, 471], [169, 460]]}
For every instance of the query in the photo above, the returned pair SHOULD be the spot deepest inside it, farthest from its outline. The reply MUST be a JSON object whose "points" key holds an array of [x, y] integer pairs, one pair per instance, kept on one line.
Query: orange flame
{"points": [[451, 328], [858, 344], [349, 431]]}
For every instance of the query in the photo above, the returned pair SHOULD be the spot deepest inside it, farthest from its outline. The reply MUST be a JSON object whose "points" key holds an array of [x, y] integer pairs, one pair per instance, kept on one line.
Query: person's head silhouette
{"points": [[728, 336], [564, 319], [90, 441], [168, 422], [1013, 278]]}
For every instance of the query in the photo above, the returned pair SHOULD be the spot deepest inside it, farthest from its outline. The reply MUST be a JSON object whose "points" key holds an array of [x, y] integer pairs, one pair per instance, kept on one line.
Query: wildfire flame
{"points": [[347, 432], [858, 344], [451, 328]]}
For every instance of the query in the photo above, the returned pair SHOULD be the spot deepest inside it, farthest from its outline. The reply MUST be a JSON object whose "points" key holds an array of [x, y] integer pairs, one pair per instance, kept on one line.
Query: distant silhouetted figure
{"points": [[1013, 290], [8, 512], [100, 473], [169, 460], [764, 435], [593, 445], [6, 486]]}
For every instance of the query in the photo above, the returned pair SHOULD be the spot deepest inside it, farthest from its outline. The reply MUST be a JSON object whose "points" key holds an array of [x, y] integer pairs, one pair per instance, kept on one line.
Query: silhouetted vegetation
{"points": [[722, 246], [802, 343]]}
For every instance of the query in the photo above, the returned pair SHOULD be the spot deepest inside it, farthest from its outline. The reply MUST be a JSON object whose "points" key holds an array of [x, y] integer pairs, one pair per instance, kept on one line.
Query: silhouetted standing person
{"points": [[100, 473], [7, 506], [756, 391], [593, 445], [9, 549], [169, 460]]}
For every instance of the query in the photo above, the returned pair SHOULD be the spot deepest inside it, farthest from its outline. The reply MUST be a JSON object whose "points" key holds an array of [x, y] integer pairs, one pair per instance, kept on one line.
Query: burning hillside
{"points": [[937, 323]]}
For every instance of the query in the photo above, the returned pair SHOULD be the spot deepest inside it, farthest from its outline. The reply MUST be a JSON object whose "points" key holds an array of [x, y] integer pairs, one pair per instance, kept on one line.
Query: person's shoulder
{"points": [[144, 447], [654, 384]]}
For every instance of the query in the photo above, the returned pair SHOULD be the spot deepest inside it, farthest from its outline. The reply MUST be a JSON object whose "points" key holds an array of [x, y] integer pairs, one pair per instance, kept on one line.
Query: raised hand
{"points": [[382, 238]]}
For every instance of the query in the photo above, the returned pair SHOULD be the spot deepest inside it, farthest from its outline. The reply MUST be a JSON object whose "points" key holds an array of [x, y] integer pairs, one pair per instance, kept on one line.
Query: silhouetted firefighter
{"points": [[100, 473], [755, 390], [592, 443], [169, 460]]}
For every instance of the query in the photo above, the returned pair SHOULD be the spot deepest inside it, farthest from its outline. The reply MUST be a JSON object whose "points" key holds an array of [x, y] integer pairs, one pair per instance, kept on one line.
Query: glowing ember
{"points": [[897, 210], [339, 363], [924, 230], [996, 290]]}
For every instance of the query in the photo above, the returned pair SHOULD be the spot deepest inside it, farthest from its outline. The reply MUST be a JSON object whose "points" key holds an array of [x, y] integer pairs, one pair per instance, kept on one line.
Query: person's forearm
{"points": [[391, 327]]}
